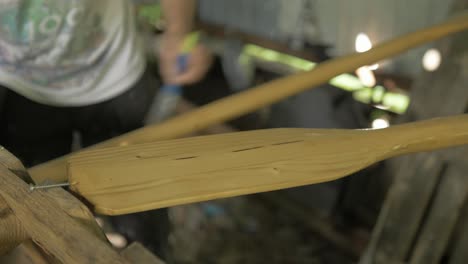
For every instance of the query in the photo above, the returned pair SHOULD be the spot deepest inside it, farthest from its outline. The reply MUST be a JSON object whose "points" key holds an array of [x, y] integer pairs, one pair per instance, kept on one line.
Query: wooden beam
{"points": [[442, 217], [77, 210], [26, 253], [400, 219], [11, 232], [220, 32], [52, 228], [263, 95], [459, 254], [174, 172], [10, 162], [316, 54]]}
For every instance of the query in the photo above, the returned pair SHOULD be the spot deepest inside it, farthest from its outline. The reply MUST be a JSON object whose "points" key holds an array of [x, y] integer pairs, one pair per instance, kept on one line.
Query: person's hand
{"points": [[199, 61]]}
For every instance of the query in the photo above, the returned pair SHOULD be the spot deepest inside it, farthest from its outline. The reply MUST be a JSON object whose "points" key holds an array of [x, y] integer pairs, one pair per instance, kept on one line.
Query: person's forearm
{"points": [[179, 15]]}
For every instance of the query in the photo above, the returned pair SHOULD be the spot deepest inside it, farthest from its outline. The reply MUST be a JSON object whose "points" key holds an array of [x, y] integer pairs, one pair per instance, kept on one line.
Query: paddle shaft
{"points": [[425, 135]]}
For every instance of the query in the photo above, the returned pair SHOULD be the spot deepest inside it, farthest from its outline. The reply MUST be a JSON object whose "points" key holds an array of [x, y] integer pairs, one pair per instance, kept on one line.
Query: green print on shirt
{"points": [[50, 41], [32, 21]]}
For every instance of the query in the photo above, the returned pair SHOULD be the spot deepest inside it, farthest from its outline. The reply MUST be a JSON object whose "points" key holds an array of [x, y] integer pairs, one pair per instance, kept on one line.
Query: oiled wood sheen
{"points": [[263, 95], [122, 180]]}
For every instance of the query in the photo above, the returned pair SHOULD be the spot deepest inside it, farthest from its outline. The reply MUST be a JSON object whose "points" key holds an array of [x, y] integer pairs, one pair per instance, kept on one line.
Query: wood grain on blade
{"points": [[148, 176], [135, 178]]}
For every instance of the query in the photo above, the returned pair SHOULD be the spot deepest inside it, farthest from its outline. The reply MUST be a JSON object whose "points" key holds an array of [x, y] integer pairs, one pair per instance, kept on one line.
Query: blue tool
{"points": [[166, 100], [169, 95]]}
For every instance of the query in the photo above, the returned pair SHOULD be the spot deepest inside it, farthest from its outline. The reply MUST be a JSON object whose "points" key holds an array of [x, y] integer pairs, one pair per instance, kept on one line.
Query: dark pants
{"points": [[36, 133]]}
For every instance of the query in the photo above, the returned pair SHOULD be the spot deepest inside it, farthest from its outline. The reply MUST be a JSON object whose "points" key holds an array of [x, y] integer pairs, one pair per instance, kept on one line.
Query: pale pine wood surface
{"points": [[52, 228], [147, 176]]}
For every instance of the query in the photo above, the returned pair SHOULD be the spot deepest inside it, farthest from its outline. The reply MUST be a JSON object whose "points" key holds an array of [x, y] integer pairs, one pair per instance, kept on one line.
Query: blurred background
{"points": [[256, 41]]}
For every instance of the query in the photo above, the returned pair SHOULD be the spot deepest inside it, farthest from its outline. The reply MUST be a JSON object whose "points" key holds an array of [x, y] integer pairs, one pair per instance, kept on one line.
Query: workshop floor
{"points": [[245, 230]]}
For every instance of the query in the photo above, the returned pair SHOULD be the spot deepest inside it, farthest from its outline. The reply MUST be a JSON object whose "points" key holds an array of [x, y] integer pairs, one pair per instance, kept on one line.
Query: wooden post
{"points": [[10, 162], [51, 227], [442, 217], [53, 218], [27, 253], [459, 254], [71, 205], [403, 210], [11, 232]]}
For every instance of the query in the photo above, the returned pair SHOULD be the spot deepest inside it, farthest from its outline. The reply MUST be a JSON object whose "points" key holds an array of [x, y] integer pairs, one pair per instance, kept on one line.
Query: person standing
{"points": [[78, 66]]}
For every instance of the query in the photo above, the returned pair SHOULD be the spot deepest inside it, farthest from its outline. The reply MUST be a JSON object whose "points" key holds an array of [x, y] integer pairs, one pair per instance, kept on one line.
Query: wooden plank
{"points": [[220, 32], [403, 211], [459, 254], [263, 95], [190, 170], [26, 253], [11, 230], [442, 218], [71, 205], [10, 162], [76, 210], [137, 253], [50, 227]]}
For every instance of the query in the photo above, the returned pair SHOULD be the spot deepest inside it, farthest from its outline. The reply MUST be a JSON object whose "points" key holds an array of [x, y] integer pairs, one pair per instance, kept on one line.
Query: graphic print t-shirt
{"points": [[69, 52]]}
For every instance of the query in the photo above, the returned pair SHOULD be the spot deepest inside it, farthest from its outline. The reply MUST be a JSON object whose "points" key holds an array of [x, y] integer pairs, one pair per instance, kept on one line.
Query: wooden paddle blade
{"points": [[129, 179], [149, 176]]}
